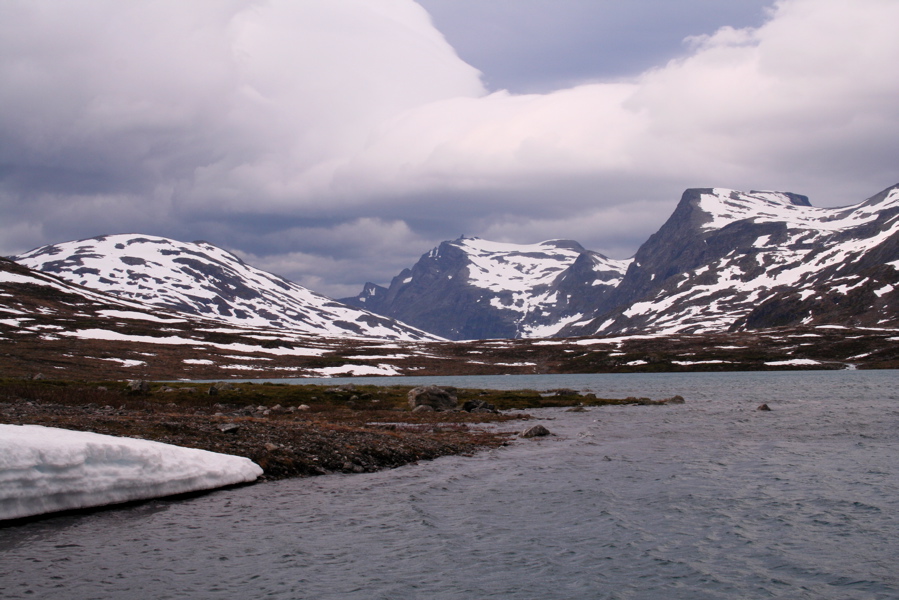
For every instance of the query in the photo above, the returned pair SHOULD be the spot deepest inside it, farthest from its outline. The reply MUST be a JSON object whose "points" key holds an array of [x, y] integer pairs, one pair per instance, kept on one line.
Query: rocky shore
{"points": [[291, 430], [288, 430]]}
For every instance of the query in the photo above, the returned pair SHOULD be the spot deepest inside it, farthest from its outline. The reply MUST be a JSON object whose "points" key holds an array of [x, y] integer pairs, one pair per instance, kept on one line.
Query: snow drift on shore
{"points": [[45, 469]]}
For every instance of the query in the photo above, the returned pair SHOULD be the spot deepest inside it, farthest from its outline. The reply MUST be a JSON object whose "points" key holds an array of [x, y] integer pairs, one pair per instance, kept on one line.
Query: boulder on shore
{"points": [[433, 396], [535, 431], [137, 386]]}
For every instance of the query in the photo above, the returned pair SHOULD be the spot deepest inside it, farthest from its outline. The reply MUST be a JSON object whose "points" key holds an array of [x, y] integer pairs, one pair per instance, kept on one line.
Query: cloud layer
{"points": [[333, 141]]}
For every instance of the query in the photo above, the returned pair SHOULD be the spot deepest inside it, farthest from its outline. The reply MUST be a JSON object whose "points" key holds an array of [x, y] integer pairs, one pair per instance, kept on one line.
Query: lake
{"points": [[710, 499]]}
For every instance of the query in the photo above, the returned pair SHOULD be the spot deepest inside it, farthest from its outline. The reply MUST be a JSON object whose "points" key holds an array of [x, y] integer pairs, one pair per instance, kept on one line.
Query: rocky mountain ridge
{"points": [[471, 288], [728, 260], [724, 261], [199, 279]]}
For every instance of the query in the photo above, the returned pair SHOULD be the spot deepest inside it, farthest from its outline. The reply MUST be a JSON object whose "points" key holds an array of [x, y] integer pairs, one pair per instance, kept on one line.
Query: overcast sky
{"points": [[335, 141]]}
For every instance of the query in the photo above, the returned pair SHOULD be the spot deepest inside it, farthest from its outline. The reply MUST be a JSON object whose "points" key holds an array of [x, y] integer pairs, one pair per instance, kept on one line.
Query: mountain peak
{"points": [[471, 288], [205, 280], [727, 259]]}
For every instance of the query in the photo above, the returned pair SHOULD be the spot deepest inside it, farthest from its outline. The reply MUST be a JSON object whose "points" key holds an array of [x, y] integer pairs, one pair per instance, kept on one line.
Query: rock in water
{"points": [[535, 431]]}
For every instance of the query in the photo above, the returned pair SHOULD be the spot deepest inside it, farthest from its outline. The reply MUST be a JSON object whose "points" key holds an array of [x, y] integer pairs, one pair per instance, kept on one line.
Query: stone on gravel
{"points": [[479, 406], [138, 385], [433, 396]]}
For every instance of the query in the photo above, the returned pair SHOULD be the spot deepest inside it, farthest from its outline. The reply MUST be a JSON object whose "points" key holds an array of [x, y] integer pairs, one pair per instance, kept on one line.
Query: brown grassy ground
{"points": [[289, 430]]}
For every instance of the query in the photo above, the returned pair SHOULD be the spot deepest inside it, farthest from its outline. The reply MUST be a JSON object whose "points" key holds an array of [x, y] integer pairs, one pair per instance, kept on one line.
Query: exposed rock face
{"points": [[432, 396], [476, 289]]}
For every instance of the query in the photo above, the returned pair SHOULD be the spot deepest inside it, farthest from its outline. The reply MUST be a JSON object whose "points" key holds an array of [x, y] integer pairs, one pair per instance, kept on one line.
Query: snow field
{"points": [[46, 469]]}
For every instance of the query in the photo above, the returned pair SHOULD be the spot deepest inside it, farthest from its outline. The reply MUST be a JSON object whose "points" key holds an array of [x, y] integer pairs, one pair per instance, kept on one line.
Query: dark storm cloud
{"points": [[544, 45]]}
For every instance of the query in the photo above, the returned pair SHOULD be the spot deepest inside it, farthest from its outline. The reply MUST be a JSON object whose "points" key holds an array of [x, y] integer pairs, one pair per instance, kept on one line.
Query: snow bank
{"points": [[45, 469]]}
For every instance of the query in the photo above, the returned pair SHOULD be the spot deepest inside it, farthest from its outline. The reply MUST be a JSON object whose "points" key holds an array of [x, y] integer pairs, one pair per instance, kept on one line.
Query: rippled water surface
{"points": [[711, 499]]}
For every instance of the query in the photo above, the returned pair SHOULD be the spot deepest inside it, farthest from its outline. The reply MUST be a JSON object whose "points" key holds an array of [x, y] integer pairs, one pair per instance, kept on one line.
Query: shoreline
{"points": [[288, 430], [285, 443]]}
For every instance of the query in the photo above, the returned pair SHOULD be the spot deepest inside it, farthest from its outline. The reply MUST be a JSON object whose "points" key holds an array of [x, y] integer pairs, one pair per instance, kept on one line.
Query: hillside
{"points": [[200, 279]]}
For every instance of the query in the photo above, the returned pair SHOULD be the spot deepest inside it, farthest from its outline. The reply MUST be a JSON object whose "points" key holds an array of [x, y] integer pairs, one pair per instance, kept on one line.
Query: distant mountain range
{"points": [[199, 279], [724, 261], [475, 289], [733, 261]]}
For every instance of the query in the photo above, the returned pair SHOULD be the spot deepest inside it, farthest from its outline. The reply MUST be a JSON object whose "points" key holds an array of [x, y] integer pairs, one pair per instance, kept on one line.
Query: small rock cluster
{"points": [[431, 398], [649, 402]]}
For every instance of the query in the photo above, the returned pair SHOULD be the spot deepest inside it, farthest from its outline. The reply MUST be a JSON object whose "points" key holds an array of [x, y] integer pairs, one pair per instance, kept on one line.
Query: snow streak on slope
{"points": [[201, 279], [46, 469], [724, 206]]}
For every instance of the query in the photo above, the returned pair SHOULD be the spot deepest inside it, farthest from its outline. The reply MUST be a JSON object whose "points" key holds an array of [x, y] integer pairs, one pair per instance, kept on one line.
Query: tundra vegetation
{"points": [[289, 430]]}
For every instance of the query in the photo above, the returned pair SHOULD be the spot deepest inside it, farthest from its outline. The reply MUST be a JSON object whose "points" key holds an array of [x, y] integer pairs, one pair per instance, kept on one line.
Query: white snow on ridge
{"points": [[201, 279], [522, 276], [45, 469], [725, 206], [500, 266], [817, 239]]}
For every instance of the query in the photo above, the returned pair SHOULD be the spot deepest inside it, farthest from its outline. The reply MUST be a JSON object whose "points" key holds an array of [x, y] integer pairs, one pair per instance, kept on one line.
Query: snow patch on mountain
{"points": [[733, 260], [472, 288], [201, 279]]}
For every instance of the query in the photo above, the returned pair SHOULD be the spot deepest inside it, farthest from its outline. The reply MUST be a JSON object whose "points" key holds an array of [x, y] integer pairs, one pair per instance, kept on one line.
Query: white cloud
{"points": [[799, 98], [171, 117]]}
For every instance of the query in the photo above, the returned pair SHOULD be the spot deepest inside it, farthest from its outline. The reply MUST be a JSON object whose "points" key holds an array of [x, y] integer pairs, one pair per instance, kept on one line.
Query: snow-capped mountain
{"points": [[728, 260], [471, 288], [201, 279], [724, 261]]}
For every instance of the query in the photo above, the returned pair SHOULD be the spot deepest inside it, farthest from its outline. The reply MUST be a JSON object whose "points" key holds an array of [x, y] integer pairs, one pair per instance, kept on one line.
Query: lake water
{"points": [[711, 499]]}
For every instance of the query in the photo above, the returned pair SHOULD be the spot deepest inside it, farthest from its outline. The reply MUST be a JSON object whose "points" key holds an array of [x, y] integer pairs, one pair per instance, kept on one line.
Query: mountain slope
{"points": [[728, 260], [476, 289], [201, 279]]}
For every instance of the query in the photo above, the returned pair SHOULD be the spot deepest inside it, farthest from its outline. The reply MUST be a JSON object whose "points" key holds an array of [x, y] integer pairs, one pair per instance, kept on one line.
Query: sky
{"points": [[334, 142]]}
